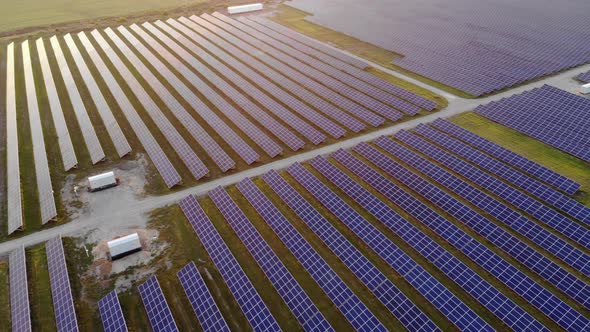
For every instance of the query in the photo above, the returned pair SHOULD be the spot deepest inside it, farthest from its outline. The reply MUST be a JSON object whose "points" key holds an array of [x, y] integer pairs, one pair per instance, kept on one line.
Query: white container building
{"points": [[244, 8], [124, 246], [102, 181], [585, 89]]}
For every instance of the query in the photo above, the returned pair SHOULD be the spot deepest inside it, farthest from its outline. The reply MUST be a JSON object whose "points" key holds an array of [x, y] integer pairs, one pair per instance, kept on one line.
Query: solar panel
{"points": [[308, 315], [227, 134], [88, 134], [330, 82], [155, 304], [20, 314], [184, 151], [68, 156], [44, 187], [432, 289], [13, 193], [201, 299], [109, 121], [584, 77], [111, 313], [530, 290], [398, 304], [61, 293], [519, 250], [513, 159], [343, 298], [149, 143], [257, 135], [377, 96], [241, 287], [549, 195], [309, 132], [536, 209], [284, 76]]}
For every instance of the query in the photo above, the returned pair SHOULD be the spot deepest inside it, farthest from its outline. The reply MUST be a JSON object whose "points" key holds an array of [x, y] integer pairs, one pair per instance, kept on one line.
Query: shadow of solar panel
{"points": [[308, 315], [111, 313], [20, 314], [201, 300], [156, 306], [400, 306], [61, 293], [241, 287]]}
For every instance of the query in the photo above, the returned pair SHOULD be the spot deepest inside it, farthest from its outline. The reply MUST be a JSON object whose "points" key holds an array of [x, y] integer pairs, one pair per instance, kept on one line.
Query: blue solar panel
{"points": [[531, 291], [288, 288], [584, 77], [542, 265], [201, 300], [513, 159], [384, 289], [156, 306], [531, 186], [536, 209], [459, 313], [111, 313], [351, 307], [238, 283]]}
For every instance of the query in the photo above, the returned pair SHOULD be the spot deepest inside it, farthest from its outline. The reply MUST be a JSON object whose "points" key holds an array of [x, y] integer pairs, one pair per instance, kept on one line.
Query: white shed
{"points": [[244, 8], [585, 89], [124, 246], [102, 181]]}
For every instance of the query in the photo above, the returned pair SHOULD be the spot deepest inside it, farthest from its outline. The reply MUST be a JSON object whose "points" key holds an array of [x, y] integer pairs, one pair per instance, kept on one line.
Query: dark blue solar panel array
{"points": [[513, 159], [552, 306], [156, 306], [326, 80], [448, 304], [201, 300], [401, 307], [543, 192], [478, 47], [543, 266], [288, 288], [553, 116], [241, 287], [584, 77], [345, 300], [536, 209], [111, 313]]}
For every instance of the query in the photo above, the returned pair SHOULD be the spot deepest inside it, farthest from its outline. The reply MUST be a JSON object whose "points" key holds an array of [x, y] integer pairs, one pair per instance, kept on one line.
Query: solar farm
{"points": [[261, 179]]}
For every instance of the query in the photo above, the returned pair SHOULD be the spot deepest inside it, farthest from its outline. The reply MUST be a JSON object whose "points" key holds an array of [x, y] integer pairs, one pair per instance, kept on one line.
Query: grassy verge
{"points": [[42, 317], [4, 296]]}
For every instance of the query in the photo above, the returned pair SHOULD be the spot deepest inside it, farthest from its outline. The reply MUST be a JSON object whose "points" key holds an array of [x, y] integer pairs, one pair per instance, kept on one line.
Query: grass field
{"points": [[42, 317], [4, 296]]}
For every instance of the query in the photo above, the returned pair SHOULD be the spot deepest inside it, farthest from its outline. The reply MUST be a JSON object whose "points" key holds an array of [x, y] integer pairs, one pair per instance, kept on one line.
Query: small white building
{"points": [[124, 246], [585, 89], [102, 181], [244, 8]]}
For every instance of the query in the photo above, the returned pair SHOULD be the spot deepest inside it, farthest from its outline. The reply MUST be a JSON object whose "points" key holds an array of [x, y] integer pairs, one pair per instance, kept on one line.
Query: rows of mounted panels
{"points": [[448, 227], [200, 95]]}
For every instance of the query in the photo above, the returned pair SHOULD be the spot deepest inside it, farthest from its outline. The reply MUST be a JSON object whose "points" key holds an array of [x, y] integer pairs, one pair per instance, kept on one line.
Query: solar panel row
{"points": [[538, 296], [381, 287], [190, 159], [308, 315], [241, 287], [20, 314], [533, 187], [157, 308], [149, 143], [434, 291], [13, 193], [61, 293], [88, 133], [536, 261], [68, 156], [513, 159], [111, 313], [584, 77], [201, 299], [236, 27], [284, 75], [111, 125], [42, 176], [536, 209]]}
